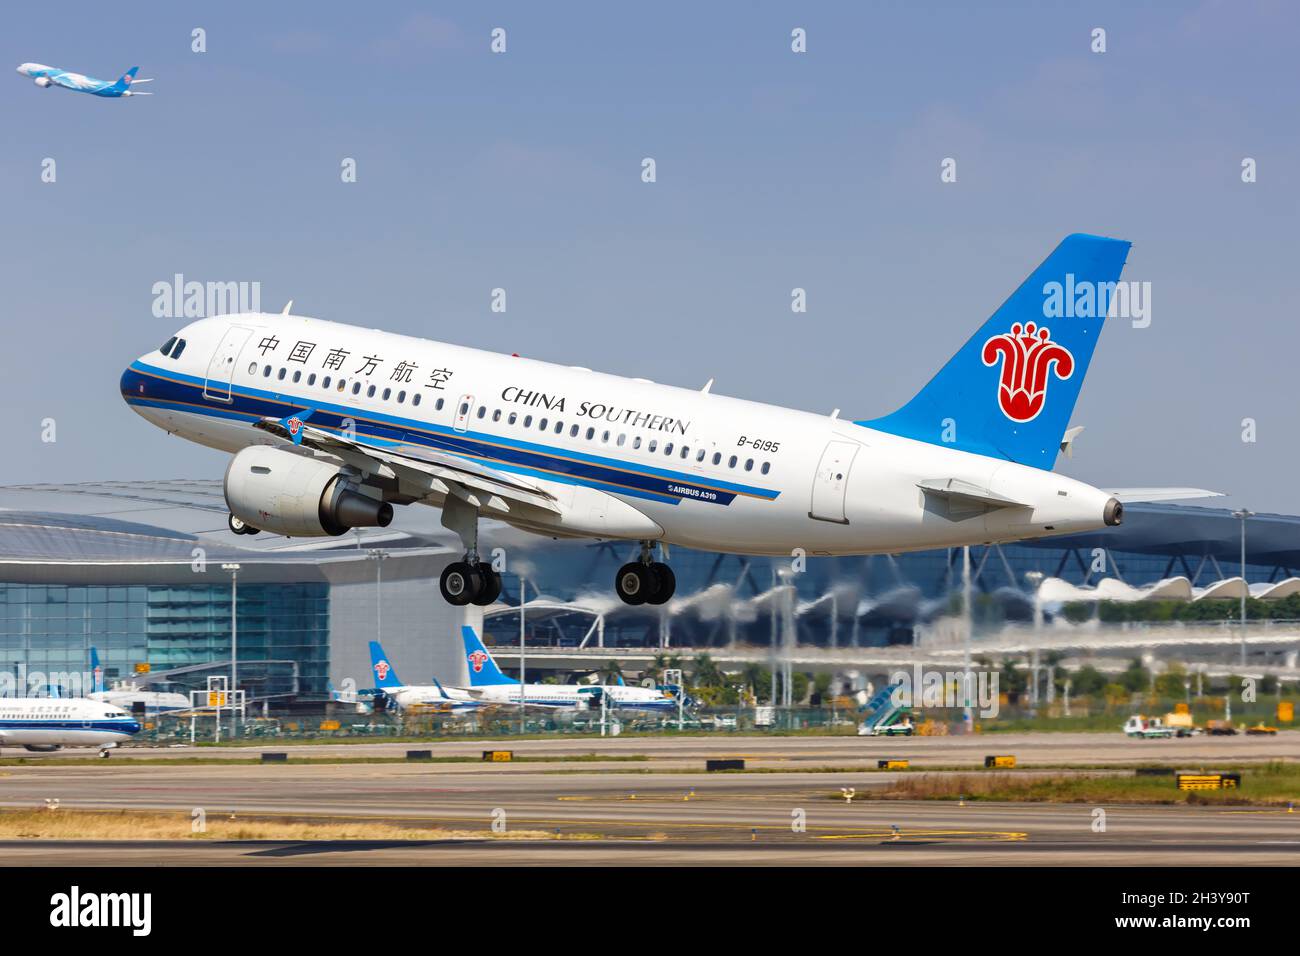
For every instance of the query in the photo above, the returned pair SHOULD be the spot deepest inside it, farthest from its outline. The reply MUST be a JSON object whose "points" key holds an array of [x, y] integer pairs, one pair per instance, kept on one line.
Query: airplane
{"points": [[410, 695], [127, 695], [45, 724], [48, 76], [488, 684], [331, 425]]}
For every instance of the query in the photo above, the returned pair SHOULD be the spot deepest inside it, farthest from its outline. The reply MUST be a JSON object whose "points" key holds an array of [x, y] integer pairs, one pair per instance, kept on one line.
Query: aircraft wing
{"points": [[436, 471], [1160, 494], [66, 81]]}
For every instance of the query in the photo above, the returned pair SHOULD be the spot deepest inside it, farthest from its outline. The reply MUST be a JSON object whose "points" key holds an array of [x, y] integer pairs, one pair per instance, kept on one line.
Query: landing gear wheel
{"points": [[240, 526], [635, 583], [491, 587], [105, 754], [460, 583], [667, 583]]}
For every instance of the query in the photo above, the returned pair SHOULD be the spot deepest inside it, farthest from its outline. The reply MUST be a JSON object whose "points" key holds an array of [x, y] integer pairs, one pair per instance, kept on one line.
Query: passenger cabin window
{"points": [[767, 466], [415, 399]]}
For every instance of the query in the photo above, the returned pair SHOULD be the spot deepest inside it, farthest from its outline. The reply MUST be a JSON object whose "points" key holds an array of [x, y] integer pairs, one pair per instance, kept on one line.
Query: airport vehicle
{"points": [[45, 724], [416, 695], [885, 717], [128, 696], [48, 77], [1261, 729], [489, 685], [332, 425], [1220, 728], [1147, 728], [1181, 724]]}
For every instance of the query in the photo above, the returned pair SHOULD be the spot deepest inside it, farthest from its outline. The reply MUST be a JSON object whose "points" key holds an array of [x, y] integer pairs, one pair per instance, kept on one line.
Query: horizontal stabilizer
{"points": [[1160, 494], [964, 491]]}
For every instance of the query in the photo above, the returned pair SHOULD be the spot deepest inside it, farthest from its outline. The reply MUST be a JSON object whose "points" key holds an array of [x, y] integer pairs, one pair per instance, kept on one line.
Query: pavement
{"points": [[795, 817], [771, 752]]}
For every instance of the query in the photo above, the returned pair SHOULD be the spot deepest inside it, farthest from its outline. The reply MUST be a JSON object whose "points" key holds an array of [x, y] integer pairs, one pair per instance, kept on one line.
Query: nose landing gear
{"points": [[645, 581]]}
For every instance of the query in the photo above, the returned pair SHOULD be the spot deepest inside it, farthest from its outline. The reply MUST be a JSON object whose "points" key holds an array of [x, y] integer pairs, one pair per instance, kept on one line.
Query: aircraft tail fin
{"points": [[385, 673], [1010, 390], [124, 81], [96, 672], [483, 670]]}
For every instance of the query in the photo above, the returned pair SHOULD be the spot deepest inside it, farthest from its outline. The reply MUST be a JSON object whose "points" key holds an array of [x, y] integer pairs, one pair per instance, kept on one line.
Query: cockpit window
{"points": [[167, 346], [180, 347]]}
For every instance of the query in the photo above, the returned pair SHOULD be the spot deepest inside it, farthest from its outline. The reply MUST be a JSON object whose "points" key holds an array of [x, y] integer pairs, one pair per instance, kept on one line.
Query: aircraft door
{"points": [[464, 405], [221, 369], [831, 482]]}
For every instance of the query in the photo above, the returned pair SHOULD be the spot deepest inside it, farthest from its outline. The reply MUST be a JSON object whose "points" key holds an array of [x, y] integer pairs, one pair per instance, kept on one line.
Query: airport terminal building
{"points": [[148, 573]]}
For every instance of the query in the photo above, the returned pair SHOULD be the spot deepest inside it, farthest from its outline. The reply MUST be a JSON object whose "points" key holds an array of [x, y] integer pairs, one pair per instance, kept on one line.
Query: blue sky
{"points": [[775, 170]]}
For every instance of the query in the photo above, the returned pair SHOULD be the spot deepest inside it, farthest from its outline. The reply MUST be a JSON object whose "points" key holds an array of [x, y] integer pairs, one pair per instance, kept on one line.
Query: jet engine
{"points": [[42, 81], [297, 495]]}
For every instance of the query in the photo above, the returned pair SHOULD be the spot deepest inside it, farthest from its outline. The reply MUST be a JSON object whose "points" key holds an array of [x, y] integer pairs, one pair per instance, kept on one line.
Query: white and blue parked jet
{"points": [[411, 695], [45, 724], [50, 76], [127, 696], [332, 425], [489, 685]]}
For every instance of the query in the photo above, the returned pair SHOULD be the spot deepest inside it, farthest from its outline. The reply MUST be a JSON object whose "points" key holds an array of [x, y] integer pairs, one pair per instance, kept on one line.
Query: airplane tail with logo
{"points": [[385, 673], [124, 81], [483, 670], [1009, 392], [96, 673]]}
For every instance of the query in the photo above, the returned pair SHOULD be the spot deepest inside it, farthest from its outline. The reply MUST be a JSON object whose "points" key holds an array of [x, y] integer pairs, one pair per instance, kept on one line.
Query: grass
{"points": [[1271, 784], [129, 825]]}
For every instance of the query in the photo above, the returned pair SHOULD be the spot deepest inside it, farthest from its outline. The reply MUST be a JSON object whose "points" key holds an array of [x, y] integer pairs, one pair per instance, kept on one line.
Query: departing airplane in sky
{"points": [[332, 425], [47, 76], [44, 724]]}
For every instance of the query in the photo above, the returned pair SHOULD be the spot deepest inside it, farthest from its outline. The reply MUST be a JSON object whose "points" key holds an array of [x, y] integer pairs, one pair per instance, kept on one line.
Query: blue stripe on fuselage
{"points": [[150, 387]]}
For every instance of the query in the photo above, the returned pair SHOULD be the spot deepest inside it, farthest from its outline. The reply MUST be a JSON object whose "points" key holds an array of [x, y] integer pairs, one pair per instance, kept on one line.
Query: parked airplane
{"points": [[127, 696], [48, 76], [410, 695], [331, 425], [45, 724], [488, 684]]}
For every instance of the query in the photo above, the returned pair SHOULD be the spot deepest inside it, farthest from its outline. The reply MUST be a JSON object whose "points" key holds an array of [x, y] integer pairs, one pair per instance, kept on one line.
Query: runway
{"points": [[769, 751], [587, 817]]}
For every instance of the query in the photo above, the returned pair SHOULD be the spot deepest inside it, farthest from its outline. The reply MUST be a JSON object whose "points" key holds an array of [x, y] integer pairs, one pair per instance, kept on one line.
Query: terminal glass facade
{"points": [[283, 632]]}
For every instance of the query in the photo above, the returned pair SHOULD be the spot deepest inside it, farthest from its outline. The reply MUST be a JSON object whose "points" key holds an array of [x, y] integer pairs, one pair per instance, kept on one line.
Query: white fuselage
{"points": [[624, 458], [554, 696], [52, 722], [155, 702]]}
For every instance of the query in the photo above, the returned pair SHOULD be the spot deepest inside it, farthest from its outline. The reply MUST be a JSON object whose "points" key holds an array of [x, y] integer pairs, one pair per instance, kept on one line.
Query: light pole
{"points": [[1035, 579], [522, 570], [234, 629], [1243, 514], [378, 555]]}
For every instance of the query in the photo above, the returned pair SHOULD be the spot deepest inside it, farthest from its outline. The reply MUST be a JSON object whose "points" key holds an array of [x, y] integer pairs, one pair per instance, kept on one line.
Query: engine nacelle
{"points": [[42, 748], [42, 81], [297, 495]]}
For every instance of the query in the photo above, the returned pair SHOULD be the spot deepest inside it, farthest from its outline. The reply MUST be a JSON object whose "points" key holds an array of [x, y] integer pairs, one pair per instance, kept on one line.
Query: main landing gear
{"points": [[645, 581], [468, 581]]}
